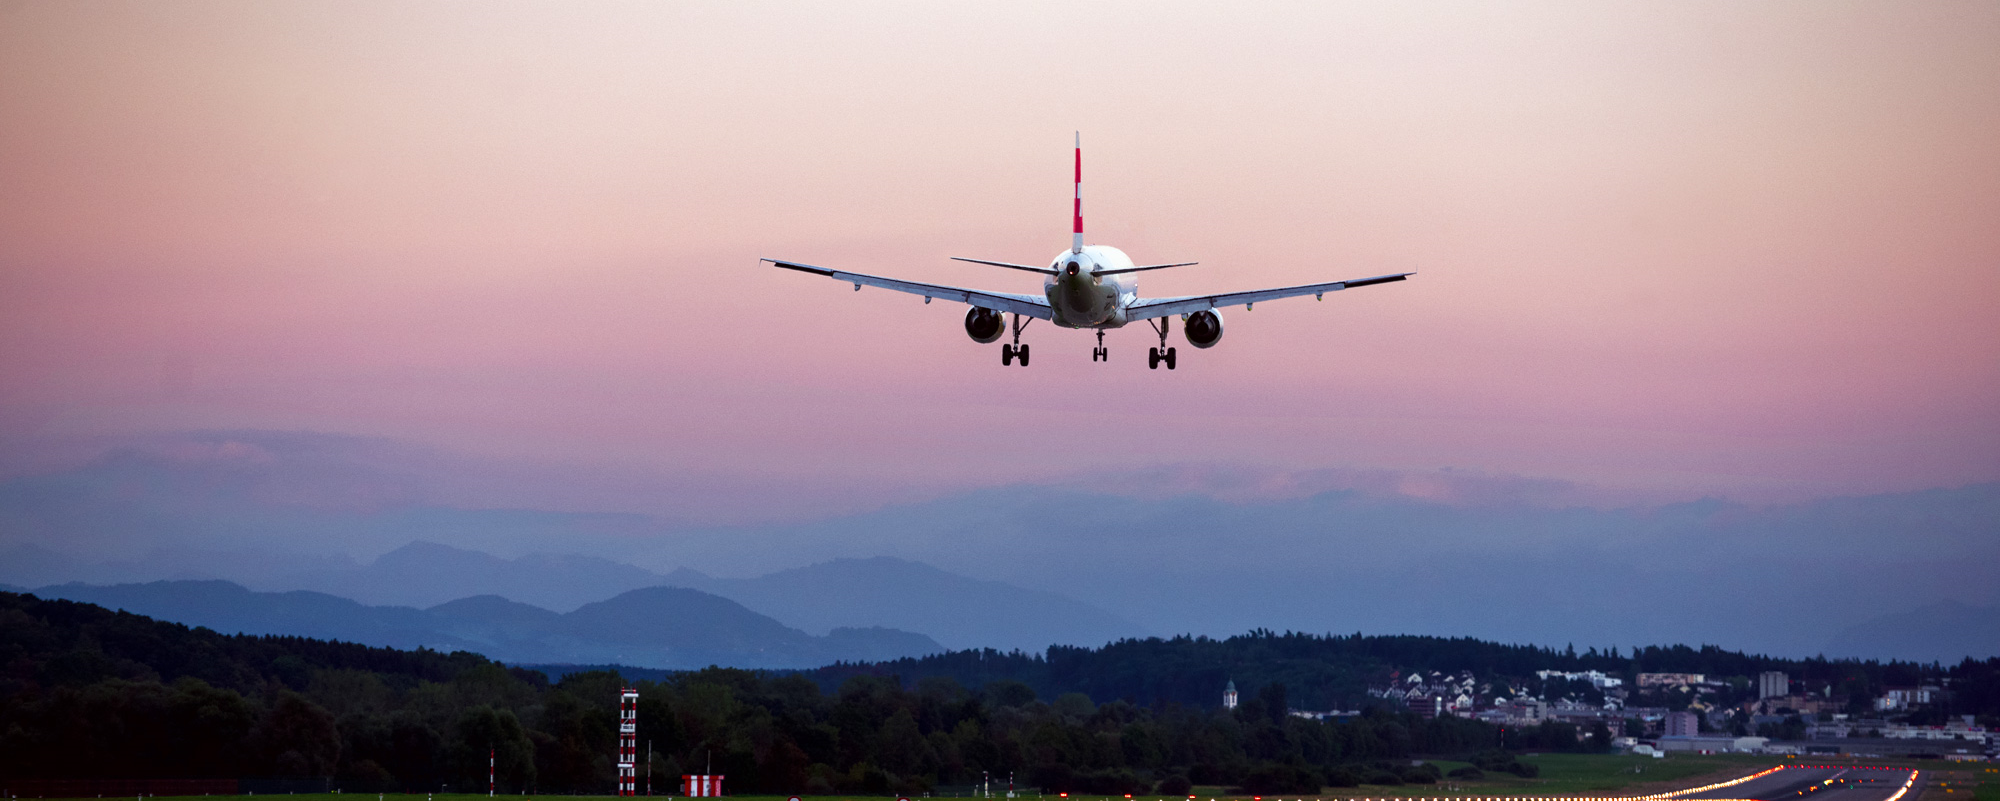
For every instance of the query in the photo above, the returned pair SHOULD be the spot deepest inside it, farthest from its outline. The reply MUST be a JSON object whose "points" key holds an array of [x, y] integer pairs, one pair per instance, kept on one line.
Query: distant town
{"points": [[1657, 713]]}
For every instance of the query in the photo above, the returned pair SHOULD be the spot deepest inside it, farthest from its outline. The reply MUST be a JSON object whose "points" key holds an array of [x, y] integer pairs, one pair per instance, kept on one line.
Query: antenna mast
{"points": [[628, 741]]}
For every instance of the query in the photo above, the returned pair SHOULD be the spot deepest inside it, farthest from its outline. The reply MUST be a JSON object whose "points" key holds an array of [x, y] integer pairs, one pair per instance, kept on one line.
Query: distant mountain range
{"points": [[658, 627], [426, 574], [956, 611]]}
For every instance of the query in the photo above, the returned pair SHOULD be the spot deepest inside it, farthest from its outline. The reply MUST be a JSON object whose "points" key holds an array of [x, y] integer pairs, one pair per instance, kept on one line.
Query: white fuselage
{"points": [[1080, 298]]}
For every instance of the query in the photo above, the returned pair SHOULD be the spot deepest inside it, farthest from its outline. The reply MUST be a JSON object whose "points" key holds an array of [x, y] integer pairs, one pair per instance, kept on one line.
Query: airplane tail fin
{"points": [[1076, 238]]}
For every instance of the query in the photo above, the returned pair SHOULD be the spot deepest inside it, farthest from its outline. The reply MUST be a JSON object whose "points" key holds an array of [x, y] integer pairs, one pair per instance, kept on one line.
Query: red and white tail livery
{"points": [[1076, 239]]}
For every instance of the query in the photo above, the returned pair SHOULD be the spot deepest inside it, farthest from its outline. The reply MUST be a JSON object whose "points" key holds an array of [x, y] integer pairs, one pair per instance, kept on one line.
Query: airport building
{"points": [[1648, 680], [1700, 744]]}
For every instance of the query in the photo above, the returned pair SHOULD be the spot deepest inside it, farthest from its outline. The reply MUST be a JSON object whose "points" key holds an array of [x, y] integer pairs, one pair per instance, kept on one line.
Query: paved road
{"points": [[1820, 784]]}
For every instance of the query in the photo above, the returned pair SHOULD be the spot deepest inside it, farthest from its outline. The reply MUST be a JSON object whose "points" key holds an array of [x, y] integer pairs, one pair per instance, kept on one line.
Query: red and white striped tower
{"points": [[628, 741], [489, 772]]}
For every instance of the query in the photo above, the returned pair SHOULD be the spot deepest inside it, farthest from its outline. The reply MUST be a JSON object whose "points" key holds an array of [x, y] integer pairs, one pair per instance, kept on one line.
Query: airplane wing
{"points": [[1164, 307], [1034, 306]]}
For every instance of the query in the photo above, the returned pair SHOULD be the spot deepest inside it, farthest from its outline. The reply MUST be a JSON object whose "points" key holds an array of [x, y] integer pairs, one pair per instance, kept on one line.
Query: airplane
{"points": [[1091, 287]]}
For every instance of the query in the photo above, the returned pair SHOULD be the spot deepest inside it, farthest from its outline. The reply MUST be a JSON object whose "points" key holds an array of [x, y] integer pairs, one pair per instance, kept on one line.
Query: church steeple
{"points": [[1229, 695]]}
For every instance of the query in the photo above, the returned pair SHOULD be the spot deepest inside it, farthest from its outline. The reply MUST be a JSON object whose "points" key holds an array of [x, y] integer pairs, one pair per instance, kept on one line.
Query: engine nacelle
{"points": [[1203, 328], [984, 325]]}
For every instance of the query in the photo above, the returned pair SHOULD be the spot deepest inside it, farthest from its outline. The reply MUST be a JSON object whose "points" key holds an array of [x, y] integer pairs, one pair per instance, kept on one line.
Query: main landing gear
{"points": [[1101, 353], [1008, 353], [1154, 356]]}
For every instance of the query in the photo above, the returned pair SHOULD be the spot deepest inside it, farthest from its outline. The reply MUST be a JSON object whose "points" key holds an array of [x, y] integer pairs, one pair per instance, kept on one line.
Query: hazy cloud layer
{"points": [[1459, 555]]}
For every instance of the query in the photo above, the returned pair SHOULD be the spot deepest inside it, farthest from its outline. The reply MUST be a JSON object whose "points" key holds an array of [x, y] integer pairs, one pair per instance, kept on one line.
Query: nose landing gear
{"points": [[1154, 356], [1016, 350], [1101, 353]]}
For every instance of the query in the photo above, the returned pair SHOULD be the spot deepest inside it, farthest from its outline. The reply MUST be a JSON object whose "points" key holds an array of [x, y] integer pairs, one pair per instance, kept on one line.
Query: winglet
{"points": [[1076, 238]]}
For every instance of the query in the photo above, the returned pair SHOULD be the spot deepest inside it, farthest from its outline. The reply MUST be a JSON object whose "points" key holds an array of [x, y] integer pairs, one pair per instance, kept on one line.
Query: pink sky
{"points": [[1671, 248]]}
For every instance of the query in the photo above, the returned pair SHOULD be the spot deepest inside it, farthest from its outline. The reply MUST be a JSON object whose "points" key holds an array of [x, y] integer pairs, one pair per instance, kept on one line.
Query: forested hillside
{"points": [[91, 693]]}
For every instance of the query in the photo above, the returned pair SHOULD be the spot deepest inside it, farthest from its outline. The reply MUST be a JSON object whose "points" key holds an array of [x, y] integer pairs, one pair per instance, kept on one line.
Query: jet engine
{"points": [[984, 325], [1203, 328]]}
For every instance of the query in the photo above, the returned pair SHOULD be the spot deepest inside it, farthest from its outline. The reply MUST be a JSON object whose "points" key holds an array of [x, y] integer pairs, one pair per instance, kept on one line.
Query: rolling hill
{"points": [[659, 627]]}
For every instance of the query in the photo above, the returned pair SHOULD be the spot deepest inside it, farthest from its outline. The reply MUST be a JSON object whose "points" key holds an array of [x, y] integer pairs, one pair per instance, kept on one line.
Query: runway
{"points": [[1787, 783], [1819, 783]]}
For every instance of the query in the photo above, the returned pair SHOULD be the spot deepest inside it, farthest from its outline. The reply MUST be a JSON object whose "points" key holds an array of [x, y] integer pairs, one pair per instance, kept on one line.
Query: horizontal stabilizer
{"points": [[1009, 265], [1143, 268]]}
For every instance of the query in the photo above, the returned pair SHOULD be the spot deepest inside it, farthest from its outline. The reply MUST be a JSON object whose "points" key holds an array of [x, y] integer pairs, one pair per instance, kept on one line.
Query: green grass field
{"points": [[1980, 783]]}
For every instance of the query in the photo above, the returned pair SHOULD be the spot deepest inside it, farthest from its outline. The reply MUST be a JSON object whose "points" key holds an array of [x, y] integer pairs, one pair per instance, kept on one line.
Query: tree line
{"points": [[1333, 671]]}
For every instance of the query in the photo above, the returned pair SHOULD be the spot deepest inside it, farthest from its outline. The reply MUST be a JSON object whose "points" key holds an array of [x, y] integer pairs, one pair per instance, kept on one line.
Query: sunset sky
{"points": [[1664, 250]]}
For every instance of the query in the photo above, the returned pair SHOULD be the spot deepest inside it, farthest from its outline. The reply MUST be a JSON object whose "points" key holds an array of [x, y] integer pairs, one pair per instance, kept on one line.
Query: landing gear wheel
{"points": [[1162, 353], [1100, 353], [1008, 353]]}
